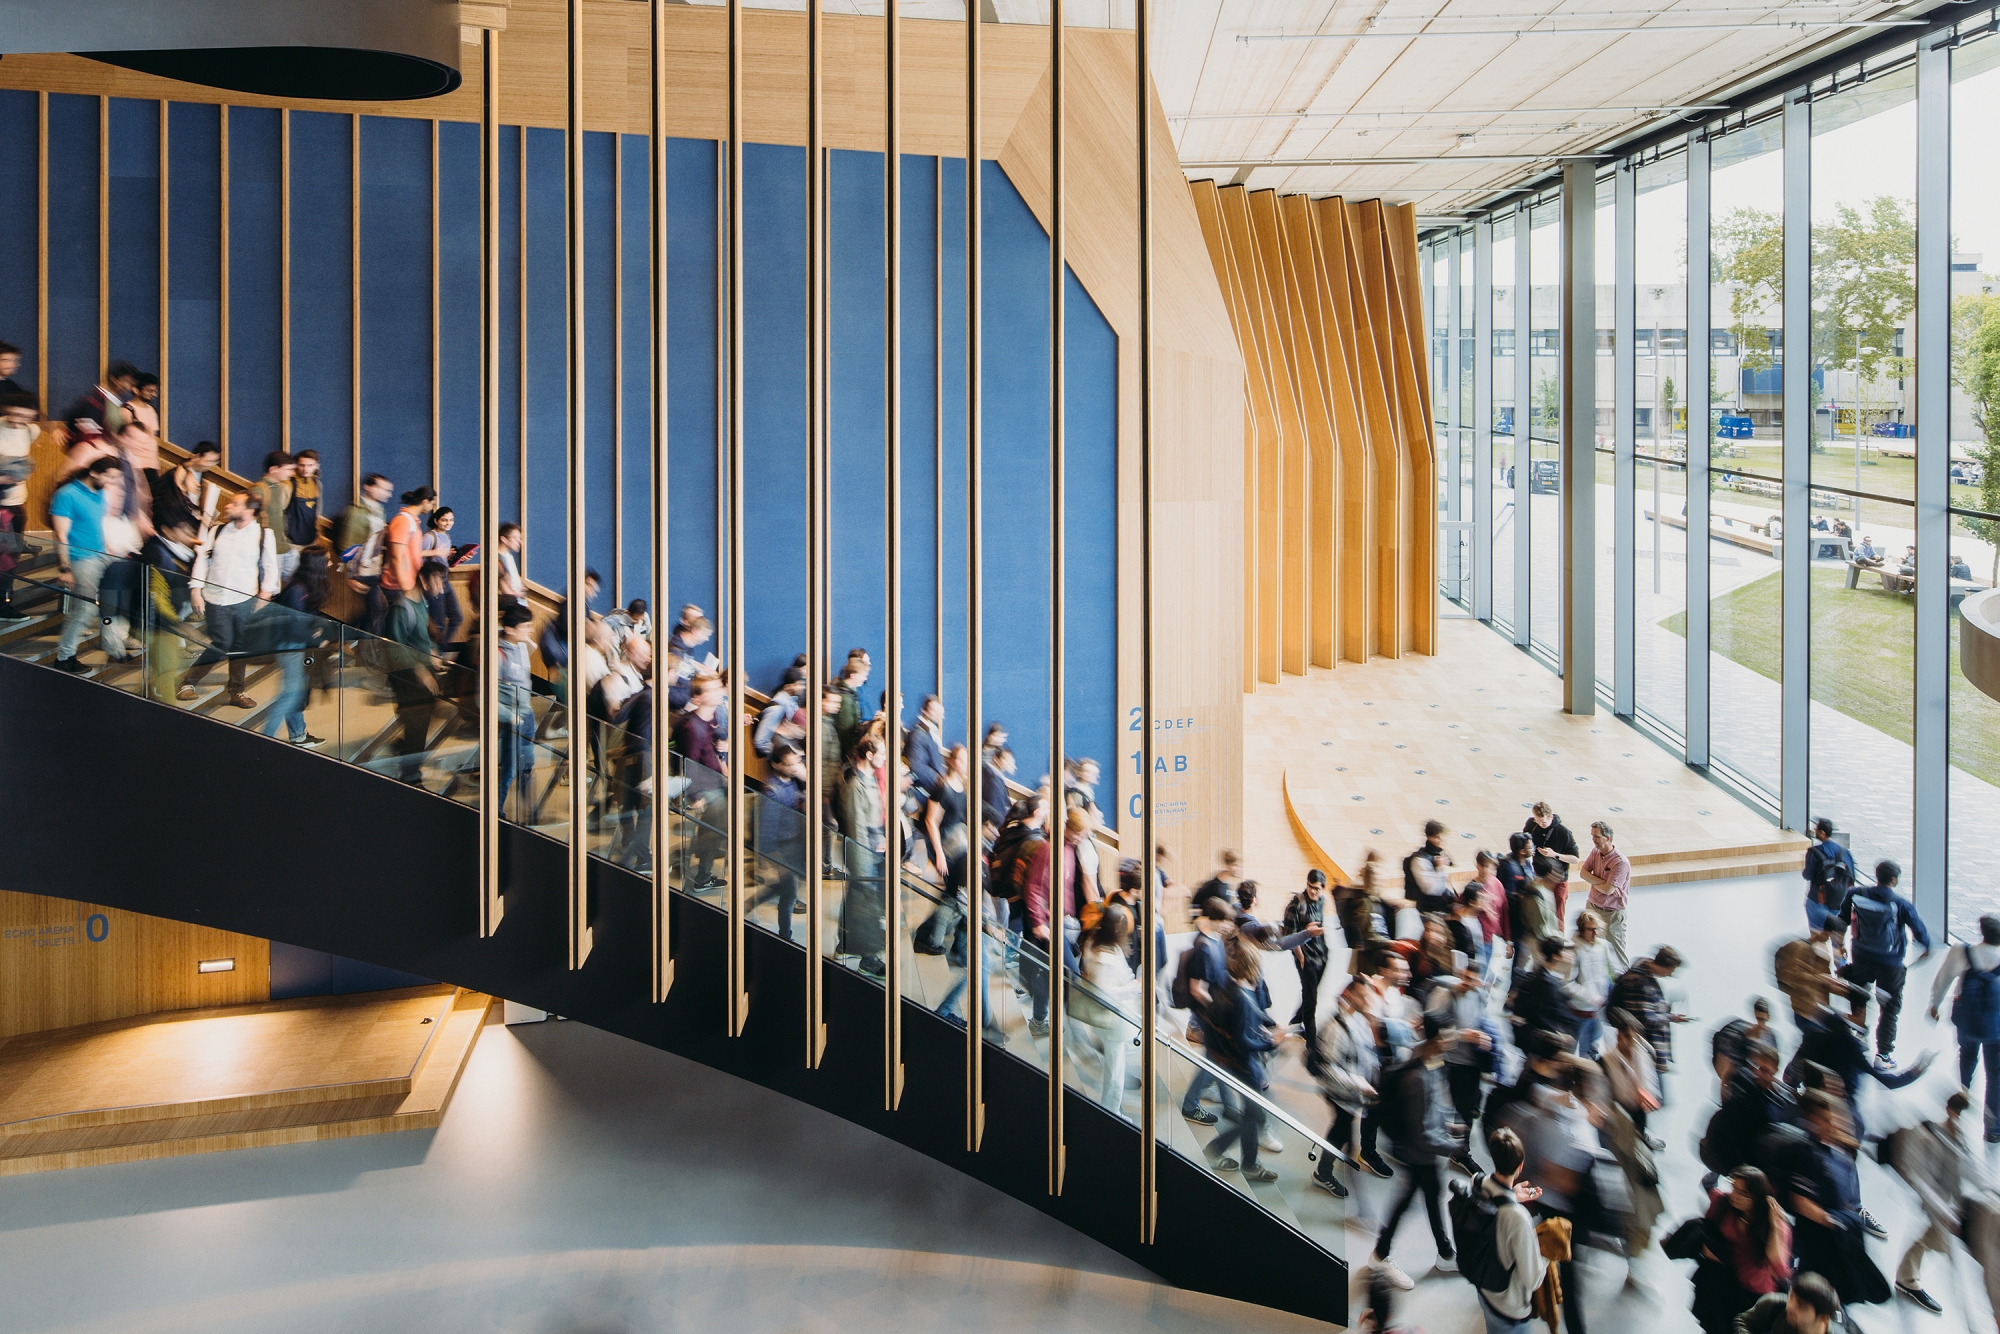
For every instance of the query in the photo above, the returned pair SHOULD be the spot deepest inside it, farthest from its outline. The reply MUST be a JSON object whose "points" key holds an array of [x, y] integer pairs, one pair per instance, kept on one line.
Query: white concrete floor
{"points": [[584, 1183]]}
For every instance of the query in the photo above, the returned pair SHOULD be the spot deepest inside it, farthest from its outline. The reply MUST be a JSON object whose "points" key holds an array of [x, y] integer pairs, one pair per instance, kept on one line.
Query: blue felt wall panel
{"points": [[1090, 640], [459, 405], [691, 373], [856, 469], [635, 528], [256, 286], [192, 387], [73, 128], [135, 231], [513, 442], [20, 312], [920, 424], [774, 411], [548, 361], [322, 298], [955, 556], [396, 300], [600, 421]]}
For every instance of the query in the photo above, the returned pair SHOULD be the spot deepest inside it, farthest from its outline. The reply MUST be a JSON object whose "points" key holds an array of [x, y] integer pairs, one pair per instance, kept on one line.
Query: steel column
{"points": [[1795, 568], [732, 516], [1578, 436], [1453, 386], [1058, 806], [1149, 1198], [492, 903], [1930, 864], [1482, 419], [816, 665], [576, 606], [892, 860], [661, 813], [1699, 355], [975, 703], [1624, 476], [1524, 414]]}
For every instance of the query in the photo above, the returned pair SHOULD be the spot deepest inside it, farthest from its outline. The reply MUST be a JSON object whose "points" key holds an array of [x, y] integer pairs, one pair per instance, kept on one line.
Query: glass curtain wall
{"points": [[1659, 411], [1544, 423], [1744, 437], [1466, 351], [1856, 739], [1501, 539], [1862, 640], [1973, 715]]}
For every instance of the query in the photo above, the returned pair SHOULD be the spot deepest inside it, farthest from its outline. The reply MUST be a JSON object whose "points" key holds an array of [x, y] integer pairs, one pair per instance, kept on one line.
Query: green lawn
{"points": [[1863, 660]]}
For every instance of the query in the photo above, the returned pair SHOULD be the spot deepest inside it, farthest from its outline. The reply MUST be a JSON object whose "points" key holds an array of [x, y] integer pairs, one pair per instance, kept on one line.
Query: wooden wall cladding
{"points": [[64, 963], [1339, 530]]}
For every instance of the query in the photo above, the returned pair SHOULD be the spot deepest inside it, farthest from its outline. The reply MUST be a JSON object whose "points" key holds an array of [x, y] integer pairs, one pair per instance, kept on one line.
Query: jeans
{"points": [[517, 745], [80, 607], [1968, 1057], [1419, 1176], [1242, 1125], [445, 613], [1306, 1016], [1589, 1037], [1341, 1136], [226, 622], [288, 564], [1200, 1083], [1504, 1324], [293, 689], [1113, 1045], [1464, 1081]]}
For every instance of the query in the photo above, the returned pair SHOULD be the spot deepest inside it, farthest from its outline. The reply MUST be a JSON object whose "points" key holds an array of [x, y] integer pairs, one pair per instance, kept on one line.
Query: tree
{"points": [[1975, 368], [1864, 285], [1749, 257], [1548, 402]]}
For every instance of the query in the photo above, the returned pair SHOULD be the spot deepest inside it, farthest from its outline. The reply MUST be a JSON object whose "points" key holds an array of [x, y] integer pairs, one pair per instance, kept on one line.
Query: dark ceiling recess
{"points": [[320, 72]]}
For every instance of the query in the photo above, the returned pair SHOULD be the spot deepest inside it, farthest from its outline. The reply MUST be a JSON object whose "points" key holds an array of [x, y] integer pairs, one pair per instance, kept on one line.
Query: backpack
{"points": [[1976, 1012], [1180, 992], [1877, 926], [1013, 852], [302, 522], [1475, 1228]]}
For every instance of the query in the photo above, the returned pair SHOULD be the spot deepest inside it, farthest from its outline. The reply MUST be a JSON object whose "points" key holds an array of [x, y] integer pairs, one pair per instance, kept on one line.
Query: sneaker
{"points": [[1921, 1298], [1038, 1028], [1993, 1137], [798, 908], [1873, 1228], [1269, 1143], [10, 612], [1373, 1162], [1463, 1162], [70, 665], [1200, 1116], [1655, 1143], [1331, 1186], [1226, 1165], [1261, 1175], [309, 741], [1447, 1264], [1397, 1278]]}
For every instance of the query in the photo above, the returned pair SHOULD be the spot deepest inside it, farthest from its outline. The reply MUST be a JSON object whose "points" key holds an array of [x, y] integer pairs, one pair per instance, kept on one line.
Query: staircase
{"points": [[1786, 852], [311, 1069], [383, 871]]}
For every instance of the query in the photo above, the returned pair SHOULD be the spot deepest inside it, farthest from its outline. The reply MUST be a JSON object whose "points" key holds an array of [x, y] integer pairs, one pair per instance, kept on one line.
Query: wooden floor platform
{"points": [[202, 1081], [1360, 757]]}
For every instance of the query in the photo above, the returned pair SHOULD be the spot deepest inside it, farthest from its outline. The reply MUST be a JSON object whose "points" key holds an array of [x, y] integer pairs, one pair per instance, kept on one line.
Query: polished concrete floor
{"points": [[581, 1183]]}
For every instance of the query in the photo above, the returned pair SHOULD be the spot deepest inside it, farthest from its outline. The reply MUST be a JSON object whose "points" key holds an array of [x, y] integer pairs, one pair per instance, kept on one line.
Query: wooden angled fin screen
{"points": [[1339, 464]]}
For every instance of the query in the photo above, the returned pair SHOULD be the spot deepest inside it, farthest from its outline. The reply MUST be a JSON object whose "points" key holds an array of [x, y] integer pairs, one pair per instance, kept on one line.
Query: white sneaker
{"points": [[1397, 1278], [1447, 1264], [1270, 1143]]}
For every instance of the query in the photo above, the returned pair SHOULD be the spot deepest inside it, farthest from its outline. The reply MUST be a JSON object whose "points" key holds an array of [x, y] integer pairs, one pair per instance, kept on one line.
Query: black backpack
{"points": [[1475, 1225], [1181, 993], [1012, 853]]}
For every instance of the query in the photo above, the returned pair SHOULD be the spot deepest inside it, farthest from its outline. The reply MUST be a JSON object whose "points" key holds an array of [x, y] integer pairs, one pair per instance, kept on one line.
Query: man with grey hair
{"points": [[1610, 877]]}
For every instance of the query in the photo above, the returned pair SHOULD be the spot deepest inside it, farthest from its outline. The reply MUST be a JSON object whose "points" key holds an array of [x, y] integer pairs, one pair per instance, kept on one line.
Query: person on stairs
{"points": [[1975, 971]]}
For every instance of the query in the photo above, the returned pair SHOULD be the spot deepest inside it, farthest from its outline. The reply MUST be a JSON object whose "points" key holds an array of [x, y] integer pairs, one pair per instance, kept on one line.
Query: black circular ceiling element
{"points": [[325, 73]]}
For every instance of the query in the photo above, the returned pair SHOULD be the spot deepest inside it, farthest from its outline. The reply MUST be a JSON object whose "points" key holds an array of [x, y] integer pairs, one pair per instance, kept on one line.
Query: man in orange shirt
{"points": [[402, 544]]}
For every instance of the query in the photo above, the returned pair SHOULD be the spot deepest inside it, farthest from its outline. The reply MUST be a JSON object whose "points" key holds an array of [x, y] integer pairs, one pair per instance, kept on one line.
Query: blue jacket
{"points": [[1822, 856], [925, 757], [1902, 917]]}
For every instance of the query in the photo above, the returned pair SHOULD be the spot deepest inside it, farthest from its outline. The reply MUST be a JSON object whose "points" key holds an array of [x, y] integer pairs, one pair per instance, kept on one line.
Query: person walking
{"points": [[1883, 922], [298, 631], [274, 488], [1824, 1190], [1347, 1074], [1508, 1248], [1198, 977], [1112, 997], [1610, 877], [864, 822], [1937, 1163], [76, 512], [781, 834], [233, 577], [1416, 1111], [517, 707], [1746, 1251], [19, 428], [1590, 982], [1974, 970], [1239, 1035], [1427, 872], [1637, 992], [357, 540], [1829, 875], [1307, 909]]}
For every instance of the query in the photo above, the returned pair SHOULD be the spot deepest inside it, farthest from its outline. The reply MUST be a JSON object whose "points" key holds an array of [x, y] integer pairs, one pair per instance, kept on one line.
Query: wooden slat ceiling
{"points": [[1233, 103]]}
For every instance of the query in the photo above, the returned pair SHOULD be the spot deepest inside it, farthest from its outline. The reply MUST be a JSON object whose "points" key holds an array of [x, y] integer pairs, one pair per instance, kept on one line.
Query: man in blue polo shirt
{"points": [[76, 512]]}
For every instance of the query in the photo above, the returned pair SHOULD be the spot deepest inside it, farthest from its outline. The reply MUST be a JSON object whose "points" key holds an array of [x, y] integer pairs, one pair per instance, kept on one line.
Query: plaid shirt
{"points": [[1638, 994]]}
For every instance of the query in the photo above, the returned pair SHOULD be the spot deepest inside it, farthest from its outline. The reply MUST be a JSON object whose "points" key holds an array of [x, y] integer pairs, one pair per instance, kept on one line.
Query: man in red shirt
{"points": [[402, 544]]}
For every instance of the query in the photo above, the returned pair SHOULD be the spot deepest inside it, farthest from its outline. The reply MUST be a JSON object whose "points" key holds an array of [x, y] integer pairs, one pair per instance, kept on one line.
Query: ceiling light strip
{"points": [[1788, 25]]}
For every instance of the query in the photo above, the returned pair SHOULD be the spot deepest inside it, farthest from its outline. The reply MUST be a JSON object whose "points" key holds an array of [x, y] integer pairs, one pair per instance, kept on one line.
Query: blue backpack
{"points": [[1976, 1013]]}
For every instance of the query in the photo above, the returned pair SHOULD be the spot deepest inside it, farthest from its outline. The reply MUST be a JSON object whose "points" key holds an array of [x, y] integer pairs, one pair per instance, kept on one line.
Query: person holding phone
{"points": [[1508, 1310]]}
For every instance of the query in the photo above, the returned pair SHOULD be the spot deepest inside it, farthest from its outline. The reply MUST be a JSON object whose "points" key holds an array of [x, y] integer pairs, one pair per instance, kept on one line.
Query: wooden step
{"points": [[313, 1069], [1790, 845], [1717, 868]]}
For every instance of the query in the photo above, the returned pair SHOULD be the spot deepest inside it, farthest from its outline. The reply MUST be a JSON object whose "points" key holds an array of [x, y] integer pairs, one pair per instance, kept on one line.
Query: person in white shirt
{"points": [[1590, 981], [512, 587], [1975, 971], [235, 574], [19, 425]]}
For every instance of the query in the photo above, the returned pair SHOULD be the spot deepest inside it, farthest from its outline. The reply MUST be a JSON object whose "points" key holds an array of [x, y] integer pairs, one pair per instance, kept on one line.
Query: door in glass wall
{"points": [[1504, 417], [1659, 498], [1973, 886], [1744, 440], [1544, 423]]}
